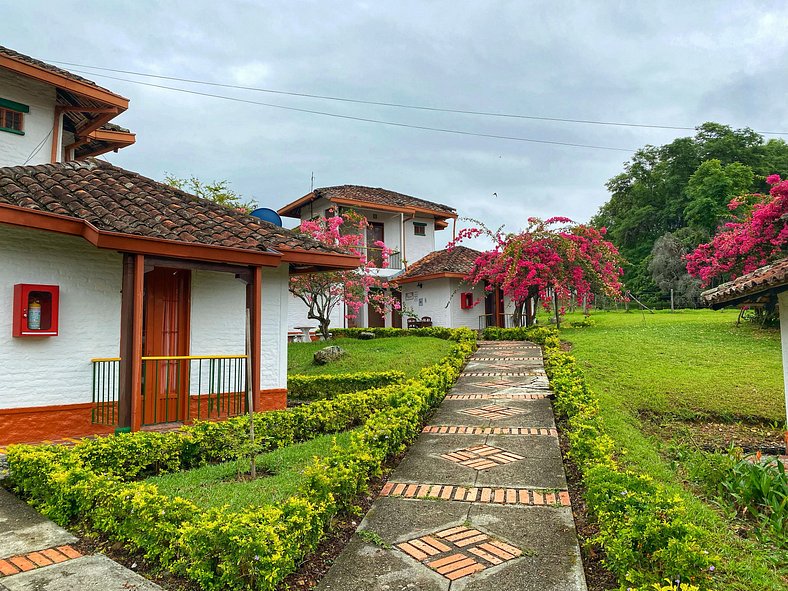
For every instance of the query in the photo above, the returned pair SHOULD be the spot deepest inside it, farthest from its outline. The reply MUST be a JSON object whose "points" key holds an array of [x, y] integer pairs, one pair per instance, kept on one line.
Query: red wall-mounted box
{"points": [[466, 300], [36, 310]]}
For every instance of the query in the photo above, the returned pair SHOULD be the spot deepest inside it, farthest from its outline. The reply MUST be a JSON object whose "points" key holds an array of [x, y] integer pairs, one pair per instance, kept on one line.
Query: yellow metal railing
{"points": [[175, 388]]}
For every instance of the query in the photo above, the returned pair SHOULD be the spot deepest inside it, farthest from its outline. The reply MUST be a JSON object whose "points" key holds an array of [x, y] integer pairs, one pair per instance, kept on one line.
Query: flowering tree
{"points": [[571, 260], [323, 292], [757, 236]]}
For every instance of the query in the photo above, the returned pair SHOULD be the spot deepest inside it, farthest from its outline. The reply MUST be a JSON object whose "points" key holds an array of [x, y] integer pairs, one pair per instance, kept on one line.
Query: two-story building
{"points": [[126, 303], [428, 282], [405, 224]]}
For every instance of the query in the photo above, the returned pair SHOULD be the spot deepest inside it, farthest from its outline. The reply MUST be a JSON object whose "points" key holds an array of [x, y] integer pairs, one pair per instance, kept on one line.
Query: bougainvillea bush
{"points": [[757, 235], [323, 292], [554, 255]]}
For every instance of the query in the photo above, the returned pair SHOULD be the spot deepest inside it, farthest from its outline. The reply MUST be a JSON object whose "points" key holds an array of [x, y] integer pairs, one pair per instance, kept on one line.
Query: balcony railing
{"points": [[375, 255], [488, 320], [175, 388]]}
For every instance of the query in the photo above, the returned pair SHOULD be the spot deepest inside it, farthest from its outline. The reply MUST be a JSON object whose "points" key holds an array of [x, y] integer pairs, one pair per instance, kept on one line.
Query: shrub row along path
{"points": [[480, 500]]}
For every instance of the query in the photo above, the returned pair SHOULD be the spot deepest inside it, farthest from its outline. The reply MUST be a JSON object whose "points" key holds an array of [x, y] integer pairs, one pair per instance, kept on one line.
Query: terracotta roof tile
{"points": [[751, 286], [117, 200], [369, 195], [460, 259]]}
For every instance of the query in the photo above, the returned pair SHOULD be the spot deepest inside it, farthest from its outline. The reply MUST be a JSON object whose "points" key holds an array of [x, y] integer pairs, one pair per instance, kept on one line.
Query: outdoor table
{"points": [[306, 338]]}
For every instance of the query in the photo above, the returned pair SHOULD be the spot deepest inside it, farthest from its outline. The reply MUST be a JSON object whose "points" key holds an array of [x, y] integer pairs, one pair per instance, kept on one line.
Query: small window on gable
{"points": [[12, 116], [419, 229]]}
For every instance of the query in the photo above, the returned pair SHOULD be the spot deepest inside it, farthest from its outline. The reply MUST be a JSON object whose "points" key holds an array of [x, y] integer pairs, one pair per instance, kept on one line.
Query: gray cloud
{"points": [[674, 63]]}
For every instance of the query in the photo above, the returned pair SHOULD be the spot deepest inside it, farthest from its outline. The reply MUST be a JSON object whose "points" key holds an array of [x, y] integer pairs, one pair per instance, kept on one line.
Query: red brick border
{"points": [[468, 430], [496, 396], [25, 562], [501, 374], [491, 495]]}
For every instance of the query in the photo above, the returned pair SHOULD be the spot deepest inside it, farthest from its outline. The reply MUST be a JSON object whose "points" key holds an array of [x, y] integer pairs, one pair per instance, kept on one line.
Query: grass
{"points": [[686, 363], [407, 354], [689, 363], [217, 485]]}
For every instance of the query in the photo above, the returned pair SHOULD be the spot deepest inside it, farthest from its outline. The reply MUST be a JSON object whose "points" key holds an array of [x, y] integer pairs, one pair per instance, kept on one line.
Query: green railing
{"points": [[175, 389]]}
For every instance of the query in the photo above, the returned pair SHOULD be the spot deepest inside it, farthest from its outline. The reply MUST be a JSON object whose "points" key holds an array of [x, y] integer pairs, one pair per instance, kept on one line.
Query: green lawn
{"points": [[217, 485], [407, 354], [688, 362]]}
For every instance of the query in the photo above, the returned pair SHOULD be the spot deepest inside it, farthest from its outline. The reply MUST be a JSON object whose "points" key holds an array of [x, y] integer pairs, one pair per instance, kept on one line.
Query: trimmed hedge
{"points": [[221, 548], [319, 387], [438, 332], [644, 528]]}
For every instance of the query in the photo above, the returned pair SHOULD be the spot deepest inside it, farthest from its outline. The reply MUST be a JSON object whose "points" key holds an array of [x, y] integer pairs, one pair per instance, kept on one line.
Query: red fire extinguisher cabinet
{"points": [[29, 319], [466, 300]]}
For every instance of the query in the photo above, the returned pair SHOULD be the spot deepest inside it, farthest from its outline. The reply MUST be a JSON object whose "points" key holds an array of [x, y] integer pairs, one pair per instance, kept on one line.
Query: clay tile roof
{"points": [[367, 195], [49, 67], [751, 287], [458, 260], [116, 200]]}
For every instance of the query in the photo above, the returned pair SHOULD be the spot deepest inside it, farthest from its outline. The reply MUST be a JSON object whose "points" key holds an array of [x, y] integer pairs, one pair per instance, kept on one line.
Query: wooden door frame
{"points": [[183, 345]]}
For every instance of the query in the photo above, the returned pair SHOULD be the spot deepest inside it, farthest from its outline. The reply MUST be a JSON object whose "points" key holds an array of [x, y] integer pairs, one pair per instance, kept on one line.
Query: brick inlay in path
{"points": [[470, 430], [501, 383], [459, 551], [482, 494], [507, 358], [496, 396], [481, 457], [25, 562], [493, 411], [504, 374]]}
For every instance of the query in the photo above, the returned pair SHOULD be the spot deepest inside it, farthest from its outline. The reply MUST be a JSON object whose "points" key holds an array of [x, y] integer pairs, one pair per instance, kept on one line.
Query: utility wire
{"points": [[394, 105], [364, 119]]}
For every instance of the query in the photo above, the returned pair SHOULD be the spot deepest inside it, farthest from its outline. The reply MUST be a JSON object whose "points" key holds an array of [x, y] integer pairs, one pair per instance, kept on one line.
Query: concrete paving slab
{"points": [[89, 573], [526, 473], [23, 530], [537, 413], [540, 532], [557, 573]]}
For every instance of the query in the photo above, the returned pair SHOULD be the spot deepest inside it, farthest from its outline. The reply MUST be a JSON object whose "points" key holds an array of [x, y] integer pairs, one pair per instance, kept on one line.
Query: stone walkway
{"points": [[37, 555], [480, 501]]}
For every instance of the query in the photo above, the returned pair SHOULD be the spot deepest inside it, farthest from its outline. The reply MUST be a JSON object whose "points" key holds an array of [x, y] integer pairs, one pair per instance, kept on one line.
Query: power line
{"points": [[394, 105], [364, 119]]}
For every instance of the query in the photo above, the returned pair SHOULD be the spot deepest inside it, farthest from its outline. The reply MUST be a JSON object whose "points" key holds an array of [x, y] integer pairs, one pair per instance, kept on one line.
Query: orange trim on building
{"points": [[40, 423], [288, 209], [55, 79], [272, 399], [40, 220]]}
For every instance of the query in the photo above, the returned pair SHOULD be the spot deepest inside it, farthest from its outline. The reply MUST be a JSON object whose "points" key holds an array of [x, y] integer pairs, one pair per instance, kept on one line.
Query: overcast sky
{"points": [[664, 63]]}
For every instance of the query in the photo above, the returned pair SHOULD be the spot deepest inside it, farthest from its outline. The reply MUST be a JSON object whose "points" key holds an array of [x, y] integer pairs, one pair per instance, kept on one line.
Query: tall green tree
{"points": [[679, 188], [218, 191]]}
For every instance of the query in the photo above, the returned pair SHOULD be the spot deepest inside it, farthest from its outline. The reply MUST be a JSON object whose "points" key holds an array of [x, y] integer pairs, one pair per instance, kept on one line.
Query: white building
{"points": [[406, 224], [435, 289], [125, 301]]}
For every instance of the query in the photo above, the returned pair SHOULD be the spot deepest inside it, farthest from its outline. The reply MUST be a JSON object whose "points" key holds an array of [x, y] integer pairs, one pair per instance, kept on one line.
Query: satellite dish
{"points": [[268, 215]]}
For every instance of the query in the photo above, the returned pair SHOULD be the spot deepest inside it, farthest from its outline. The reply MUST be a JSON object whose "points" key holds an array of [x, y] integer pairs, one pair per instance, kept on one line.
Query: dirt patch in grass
{"points": [[717, 435], [598, 578]]}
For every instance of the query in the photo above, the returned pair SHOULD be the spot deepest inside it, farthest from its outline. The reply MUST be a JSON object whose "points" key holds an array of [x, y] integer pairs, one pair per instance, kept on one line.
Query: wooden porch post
{"points": [[254, 300], [130, 378]]}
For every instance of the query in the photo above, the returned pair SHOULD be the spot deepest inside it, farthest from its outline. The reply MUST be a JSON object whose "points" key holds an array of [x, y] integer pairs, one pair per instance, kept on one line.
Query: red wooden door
{"points": [[165, 334]]}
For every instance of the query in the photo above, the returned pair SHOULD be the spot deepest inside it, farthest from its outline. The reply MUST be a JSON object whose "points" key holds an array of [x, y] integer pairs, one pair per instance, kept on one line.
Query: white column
{"points": [[783, 303]]}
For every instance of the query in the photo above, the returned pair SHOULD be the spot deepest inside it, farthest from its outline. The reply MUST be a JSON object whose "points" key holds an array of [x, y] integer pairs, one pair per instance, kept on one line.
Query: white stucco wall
{"points": [[429, 300], [38, 123], [417, 247], [273, 371], [468, 318], [43, 371]]}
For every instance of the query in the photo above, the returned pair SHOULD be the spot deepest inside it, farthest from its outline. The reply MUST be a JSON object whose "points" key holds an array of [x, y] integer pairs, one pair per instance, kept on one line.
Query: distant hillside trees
{"points": [[683, 188]]}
